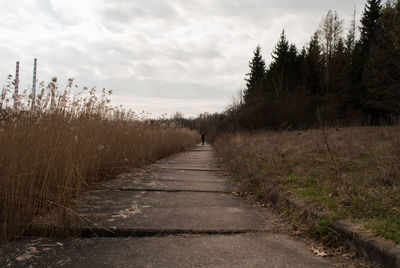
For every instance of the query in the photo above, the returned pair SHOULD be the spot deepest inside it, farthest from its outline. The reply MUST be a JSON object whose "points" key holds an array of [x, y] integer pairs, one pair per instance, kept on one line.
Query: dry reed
{"points": [[53, 153]]}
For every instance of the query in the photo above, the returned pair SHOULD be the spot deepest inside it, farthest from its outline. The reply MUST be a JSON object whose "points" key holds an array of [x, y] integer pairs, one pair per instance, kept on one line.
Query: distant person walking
{"points": [[202, 137]]}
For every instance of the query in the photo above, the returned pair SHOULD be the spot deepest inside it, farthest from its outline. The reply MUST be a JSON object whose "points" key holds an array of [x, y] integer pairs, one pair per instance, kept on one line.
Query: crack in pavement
{"points": [[167, 191], [189, 169], [171, 180], [122, 232]]}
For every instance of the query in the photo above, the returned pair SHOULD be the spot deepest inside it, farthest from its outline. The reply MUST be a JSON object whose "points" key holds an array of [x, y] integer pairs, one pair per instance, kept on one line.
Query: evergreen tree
{"points": [[369, 21], [361, 54], [314, 67], [300, 65], [283, 67], [382, 75], [256, 75], [340, 77], [281, 49], [339, 69]]}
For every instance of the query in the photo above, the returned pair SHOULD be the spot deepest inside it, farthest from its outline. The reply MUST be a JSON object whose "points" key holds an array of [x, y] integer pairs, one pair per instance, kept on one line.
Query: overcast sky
{"points": [[160, 56]]}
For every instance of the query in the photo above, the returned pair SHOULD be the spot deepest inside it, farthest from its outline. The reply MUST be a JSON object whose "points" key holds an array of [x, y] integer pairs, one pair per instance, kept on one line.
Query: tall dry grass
{"points": [[52, 154], [353, 172]]}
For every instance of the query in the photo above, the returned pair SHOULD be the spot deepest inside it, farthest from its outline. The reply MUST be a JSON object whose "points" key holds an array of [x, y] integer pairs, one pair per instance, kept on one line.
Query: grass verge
{"points": [[352, 173]]}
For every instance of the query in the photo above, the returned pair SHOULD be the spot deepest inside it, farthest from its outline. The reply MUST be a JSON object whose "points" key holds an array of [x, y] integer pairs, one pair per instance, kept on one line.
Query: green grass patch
{"points": [[236, 179], [388, 227], [311, 189]]}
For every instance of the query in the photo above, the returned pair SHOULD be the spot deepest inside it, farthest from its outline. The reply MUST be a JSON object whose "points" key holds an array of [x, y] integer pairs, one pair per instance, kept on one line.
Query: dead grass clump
{"points": [[51, 154], [353, 172]]}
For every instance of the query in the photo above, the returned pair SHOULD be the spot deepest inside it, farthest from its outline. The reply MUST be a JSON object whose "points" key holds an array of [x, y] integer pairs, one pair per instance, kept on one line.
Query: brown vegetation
{"points": [[51, 154], [352, 172]]}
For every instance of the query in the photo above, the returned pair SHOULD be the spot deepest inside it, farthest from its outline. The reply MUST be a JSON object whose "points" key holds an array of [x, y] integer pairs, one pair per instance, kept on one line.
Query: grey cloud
{"points": [[258, 9], [125, 12], [187, 56], [113, 28], [142, 54], [47, 9], [265, 12], [129, 12], [121, 14], [166, 89], [190, 107], [158, 8]]}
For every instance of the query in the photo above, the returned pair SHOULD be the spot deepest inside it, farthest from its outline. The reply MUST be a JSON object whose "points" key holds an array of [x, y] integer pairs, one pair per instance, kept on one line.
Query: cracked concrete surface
{"points": [[178, 212]]}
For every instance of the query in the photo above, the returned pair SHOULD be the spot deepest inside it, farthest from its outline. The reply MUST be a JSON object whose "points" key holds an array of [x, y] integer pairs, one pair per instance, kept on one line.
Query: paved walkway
{"points": [[178, 212]]}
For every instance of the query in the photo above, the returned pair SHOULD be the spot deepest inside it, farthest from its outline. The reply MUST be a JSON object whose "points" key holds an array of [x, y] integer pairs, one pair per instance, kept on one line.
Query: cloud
{"points": [[160, 54], [126, 13]]}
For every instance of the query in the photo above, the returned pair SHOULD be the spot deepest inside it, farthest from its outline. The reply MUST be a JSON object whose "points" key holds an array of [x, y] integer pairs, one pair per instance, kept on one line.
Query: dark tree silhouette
{"points": [[382, 75], [369, 22], [255, 76], [283, 68]]}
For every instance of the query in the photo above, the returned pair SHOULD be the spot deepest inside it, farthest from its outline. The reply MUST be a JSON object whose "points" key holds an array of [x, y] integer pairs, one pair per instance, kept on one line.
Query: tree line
{"points": [[345, 78]]}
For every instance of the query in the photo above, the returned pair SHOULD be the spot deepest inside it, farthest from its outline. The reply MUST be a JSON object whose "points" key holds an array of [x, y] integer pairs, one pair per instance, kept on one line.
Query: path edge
{"points": [[362, 242]]}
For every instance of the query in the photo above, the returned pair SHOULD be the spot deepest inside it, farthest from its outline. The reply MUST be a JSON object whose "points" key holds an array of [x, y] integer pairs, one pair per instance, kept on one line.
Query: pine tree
{"points": [[281, 49], [314, 67], [282, 71], [256, 75], [381, 75], [340, 75], [369, 22], [361, 54]]}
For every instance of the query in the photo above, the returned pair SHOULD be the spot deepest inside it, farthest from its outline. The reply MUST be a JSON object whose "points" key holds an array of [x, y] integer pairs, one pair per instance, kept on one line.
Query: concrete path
{"points": [[178, 212]]}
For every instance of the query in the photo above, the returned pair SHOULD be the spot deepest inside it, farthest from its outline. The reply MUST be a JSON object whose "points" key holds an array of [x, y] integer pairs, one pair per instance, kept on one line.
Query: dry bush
{"points": [[51, 154], [354, 172]]}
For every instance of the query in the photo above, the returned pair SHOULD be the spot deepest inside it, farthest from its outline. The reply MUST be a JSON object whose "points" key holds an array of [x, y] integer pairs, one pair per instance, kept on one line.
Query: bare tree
{"points": [[331, 29]]}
